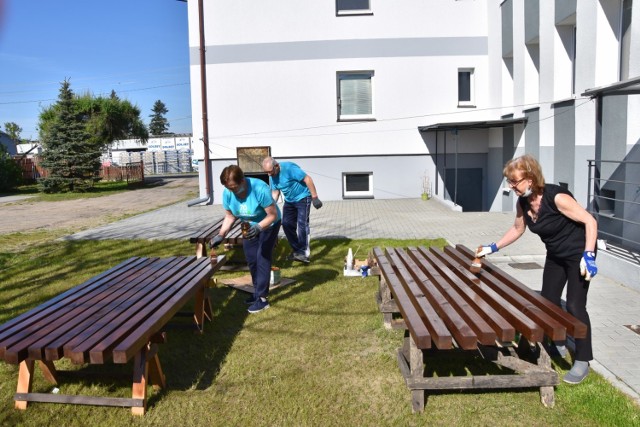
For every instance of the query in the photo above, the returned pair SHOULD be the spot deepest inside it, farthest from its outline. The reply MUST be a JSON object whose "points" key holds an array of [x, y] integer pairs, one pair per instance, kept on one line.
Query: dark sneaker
{"points": [[301, 258], [290, 257], [578, 372], [250, 300], [259, 305]]}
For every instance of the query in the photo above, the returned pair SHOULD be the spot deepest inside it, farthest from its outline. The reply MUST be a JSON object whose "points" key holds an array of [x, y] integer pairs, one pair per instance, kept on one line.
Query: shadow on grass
{"points": [[44, 271]]}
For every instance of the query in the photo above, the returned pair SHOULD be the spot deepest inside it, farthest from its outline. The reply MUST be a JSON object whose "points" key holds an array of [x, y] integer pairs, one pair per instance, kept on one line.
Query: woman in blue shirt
{"points": [[250, 200]]}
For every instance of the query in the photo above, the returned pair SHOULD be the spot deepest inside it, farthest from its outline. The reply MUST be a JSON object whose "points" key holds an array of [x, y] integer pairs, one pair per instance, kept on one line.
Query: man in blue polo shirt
{"points": [[299, 193]]}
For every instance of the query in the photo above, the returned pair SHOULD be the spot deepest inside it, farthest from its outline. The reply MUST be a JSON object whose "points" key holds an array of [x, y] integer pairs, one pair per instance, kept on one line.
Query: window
{"points": [[466, 88], [353, 7], [357, 185], [355, 100]]}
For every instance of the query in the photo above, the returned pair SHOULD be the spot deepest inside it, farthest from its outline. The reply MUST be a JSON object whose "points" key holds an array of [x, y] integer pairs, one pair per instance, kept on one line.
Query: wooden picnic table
{"points": [[115, 316], [446, 308]]}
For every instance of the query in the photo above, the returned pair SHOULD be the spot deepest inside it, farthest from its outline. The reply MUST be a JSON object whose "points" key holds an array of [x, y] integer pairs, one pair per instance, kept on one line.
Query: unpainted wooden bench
{"points": [[115, 316], [446, 308]]}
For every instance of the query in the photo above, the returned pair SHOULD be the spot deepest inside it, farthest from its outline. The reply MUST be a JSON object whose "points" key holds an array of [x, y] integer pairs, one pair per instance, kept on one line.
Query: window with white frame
{"points": [[355, 95], [353, 7], [466, 89], [357, 185]]}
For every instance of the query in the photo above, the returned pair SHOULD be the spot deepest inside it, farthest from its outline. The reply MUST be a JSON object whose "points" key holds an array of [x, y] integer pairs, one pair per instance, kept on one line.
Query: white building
{"points": [[8, 143], [368, 96]]}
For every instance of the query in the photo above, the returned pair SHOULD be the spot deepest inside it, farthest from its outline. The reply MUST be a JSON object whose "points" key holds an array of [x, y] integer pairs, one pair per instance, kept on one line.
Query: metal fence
{"points": [[131, 172], [159, 162], [615, 201]]}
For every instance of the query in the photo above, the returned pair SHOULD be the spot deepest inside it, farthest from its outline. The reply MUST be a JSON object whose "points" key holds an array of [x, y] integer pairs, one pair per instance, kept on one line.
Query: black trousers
{"points": [[557, 273]]}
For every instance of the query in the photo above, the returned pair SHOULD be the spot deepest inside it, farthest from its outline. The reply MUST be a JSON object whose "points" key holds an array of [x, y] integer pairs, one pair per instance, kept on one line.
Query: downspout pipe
{"points": [[205, 112]]}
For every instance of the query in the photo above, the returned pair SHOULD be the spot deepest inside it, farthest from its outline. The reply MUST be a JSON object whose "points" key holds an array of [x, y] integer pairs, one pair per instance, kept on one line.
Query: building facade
{"points": [[371, 97]]}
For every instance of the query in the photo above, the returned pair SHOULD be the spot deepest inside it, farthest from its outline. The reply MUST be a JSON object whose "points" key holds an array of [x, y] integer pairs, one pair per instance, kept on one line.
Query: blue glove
{"points": [[316, 203], [486, 250], [253, 231], [588, 267], [215, 242]]}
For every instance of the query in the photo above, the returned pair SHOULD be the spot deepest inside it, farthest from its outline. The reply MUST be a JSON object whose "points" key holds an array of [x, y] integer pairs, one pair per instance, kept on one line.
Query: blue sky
{"points": [[139, 48]]}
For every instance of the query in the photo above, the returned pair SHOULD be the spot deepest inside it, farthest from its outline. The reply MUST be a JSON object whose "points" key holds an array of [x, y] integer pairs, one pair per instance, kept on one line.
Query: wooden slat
{"points": [[464, 297], [199, 275], [80, 322], [461, 314], [426, 310], [29, 332], [154, 293], [18, 324], [522, 323], [529, 307], [575, 327], [466, 285], [78, 400], [416, 326], [234, 236]]}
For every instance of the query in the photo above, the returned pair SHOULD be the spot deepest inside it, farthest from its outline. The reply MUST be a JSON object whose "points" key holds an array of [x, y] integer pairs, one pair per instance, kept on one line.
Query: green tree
{"points": [[159, 125], [111, 118], [13, 130], [10, 172], [103, 120], [69, 156]]}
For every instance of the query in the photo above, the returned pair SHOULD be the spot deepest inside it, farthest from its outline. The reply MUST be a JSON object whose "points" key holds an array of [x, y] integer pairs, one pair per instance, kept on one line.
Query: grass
{"points": [[319, 356], [102, 188]]}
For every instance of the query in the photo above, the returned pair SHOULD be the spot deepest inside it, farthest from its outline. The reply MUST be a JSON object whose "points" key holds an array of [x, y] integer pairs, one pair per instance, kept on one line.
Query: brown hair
{"points": [[530, 169], [231, 173]]}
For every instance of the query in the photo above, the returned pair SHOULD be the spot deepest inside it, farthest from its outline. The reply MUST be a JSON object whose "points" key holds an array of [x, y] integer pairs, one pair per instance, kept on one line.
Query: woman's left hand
{"points": [[588, 267]]}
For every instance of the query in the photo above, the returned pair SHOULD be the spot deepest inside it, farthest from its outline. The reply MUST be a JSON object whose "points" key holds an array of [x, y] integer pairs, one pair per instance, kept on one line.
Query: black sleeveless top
{"points": [[563, 237]]}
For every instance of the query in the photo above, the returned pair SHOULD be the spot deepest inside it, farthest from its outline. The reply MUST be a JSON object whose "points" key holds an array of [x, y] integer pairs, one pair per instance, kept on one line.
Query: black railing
{"points": [[615, 201]]}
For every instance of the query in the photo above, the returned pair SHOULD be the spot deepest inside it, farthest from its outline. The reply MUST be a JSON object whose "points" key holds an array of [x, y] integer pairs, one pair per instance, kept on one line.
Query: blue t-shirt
{"points": [[290, 182], [251, 208]]}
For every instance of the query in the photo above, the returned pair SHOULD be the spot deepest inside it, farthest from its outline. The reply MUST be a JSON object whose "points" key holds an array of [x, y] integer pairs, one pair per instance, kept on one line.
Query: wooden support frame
{"points": [[147, 370], [447, 309], [411, 361]]}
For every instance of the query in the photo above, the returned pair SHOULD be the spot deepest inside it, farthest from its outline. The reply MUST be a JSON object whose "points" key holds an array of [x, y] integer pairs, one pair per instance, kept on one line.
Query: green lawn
{"points": [[319, 356], [101, 188]]}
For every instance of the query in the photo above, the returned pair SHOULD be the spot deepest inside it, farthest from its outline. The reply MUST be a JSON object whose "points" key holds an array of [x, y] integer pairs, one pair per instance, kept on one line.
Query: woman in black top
{"points": [[569, 233]]}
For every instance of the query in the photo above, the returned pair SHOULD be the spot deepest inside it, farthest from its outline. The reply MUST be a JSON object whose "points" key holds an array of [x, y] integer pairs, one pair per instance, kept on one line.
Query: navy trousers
{"points": [[295, 224], [259, 254]]}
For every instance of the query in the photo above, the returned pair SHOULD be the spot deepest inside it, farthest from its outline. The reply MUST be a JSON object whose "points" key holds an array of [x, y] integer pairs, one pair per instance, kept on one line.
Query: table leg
{"points": [[198, 315], [385, 298], [25, 380], [416, 363], [49, 371], [547, 394], [140, 375], [201, 250], [156, 376]]}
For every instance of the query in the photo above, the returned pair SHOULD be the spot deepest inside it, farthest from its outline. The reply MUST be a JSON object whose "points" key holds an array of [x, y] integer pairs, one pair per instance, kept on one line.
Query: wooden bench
{"points": [[115, 316], [202, 237], [446, 308]]}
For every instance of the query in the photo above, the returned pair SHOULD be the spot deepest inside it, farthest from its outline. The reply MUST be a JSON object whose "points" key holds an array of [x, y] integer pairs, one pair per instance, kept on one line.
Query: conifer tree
{"points": [[159, 125], [71, 160]]}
